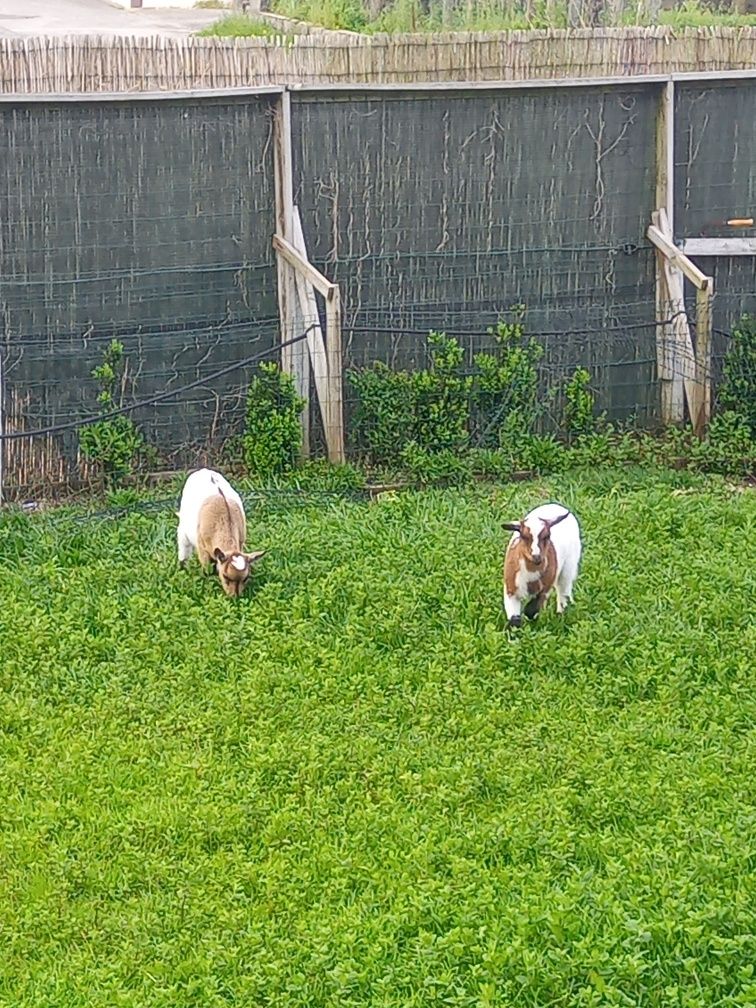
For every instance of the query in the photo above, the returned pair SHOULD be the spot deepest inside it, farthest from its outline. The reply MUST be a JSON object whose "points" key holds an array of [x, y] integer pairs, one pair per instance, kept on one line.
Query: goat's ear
{"points": [[220, 556], [254, 557], [511, 526], [555, 521]]}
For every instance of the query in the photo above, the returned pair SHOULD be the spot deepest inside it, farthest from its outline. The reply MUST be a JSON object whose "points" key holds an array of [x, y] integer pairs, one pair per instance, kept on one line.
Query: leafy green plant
{"points": [[538, 453], [531, 453], [580, 404], [241, 26], [491, 463], [505, 390], [729, 446], [348, 15], [403, 418], [737, 391], [272, 438], [428, 407], [383, 418], [322, 476], [441, 397], [605, 447], [115, 445]]}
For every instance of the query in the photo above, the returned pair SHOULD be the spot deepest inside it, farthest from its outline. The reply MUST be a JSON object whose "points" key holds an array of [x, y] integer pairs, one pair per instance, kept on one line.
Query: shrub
{"points": [[429, 407], [425, 421], [241, 26], [272, 439], [580, 405], [728, 448], [115, 445], [349, 15], [441, 397], [443, 409], [505, 391], [737, 391], [383, 417]]}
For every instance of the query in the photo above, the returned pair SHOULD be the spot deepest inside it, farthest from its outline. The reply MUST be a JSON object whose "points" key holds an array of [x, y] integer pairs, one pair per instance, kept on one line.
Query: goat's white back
{"points": [[199, 486], [565, 535]]}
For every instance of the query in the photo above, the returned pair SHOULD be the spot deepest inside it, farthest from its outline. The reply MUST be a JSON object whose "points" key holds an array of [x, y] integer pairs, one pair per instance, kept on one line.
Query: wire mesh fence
{"points": [[145, 223], [442, 212], [715, 181], [150, 223]]}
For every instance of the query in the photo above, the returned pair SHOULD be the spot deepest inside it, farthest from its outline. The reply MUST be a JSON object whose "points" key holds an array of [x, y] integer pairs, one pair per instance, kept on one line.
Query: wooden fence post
{"points": [[332, 398], [294, 358], [696, 364], [668, 363], [315, 344], [703, 356], [335, 375]]}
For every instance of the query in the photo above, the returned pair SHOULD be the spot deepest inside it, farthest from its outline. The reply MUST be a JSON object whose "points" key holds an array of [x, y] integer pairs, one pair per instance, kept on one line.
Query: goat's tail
{"points": [[220, 491]]}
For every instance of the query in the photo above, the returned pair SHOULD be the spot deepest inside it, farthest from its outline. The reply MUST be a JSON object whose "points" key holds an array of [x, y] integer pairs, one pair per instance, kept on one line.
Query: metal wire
{"points": [[151, 400]]}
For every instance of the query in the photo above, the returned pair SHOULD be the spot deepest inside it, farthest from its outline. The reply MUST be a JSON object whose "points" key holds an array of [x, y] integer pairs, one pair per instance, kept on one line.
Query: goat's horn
{"points": [[555, 521]]}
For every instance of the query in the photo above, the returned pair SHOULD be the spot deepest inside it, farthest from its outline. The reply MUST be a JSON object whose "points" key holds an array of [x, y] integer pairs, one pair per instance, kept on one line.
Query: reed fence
{"points": [[93, 64]]}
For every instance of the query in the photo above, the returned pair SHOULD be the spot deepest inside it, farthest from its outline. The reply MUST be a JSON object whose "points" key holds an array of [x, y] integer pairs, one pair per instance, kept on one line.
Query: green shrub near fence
{"points": [[445, 422]]}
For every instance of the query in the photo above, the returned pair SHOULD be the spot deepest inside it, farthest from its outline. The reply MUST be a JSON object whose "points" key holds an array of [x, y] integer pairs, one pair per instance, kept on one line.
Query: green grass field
{"points": [[353, 787]]}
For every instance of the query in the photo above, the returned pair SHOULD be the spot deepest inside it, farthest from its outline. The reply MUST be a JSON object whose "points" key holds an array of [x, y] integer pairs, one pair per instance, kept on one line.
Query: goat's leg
{"points": [[513, 609], [207, 562], [185, 548], [563, 585], [534, 606]]}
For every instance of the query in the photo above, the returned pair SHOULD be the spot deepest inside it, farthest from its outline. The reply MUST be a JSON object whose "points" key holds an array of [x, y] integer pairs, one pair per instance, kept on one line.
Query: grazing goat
{"points": [[543, 553], [212, 521]]}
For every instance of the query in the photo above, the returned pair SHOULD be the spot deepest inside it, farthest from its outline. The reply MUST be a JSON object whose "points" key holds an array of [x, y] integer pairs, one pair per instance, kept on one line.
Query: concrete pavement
{"points": [[97, 17]]}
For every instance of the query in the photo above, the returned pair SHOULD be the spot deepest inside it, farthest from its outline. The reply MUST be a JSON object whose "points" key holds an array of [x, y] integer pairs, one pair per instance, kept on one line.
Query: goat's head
{"points": [[535, 535], [234, 569]]}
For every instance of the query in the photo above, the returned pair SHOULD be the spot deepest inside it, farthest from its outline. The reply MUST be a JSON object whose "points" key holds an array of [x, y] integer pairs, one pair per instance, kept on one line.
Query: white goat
{"points": [[212, 521], [543, 553]]}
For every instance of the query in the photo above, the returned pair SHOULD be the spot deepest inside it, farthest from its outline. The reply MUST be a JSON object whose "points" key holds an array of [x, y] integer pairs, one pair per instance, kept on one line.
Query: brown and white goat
{"points": [[543, 554], [212, 521]]}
